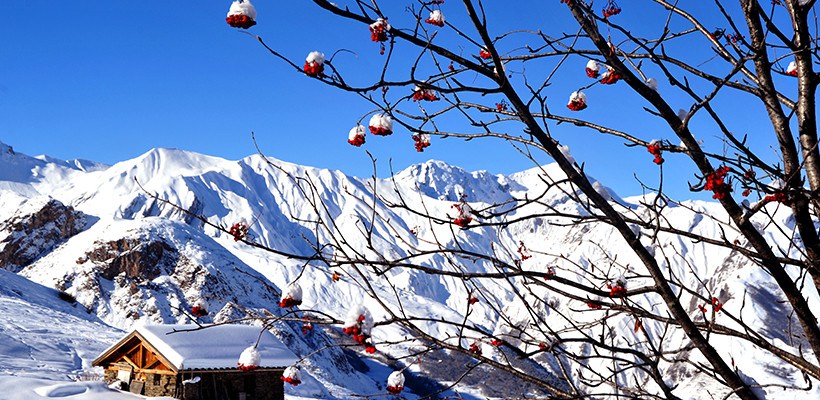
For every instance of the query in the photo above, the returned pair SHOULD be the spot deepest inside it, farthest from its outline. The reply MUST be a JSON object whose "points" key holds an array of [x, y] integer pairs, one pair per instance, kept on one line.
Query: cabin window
{"points": [[156, 379]]}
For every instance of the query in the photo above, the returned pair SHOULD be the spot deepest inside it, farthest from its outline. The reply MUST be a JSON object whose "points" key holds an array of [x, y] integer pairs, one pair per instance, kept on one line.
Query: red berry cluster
{"points": [[611, 77], [356, 332], [496, 342], [717, 33], [420, 144], [472, 299], [716, 183], [462, 222], [434, 22], [611, 9], [577, 105], [565, 1], [239, 231], [246, 368], [748, 177], [424, 94], [591, 72], [550, 273], [289, 302], [314, 69], [501, 106], [522, 251], [450, 67], [617, 289], [199, 311], [395, 389], [357, 141], [594, 306], [735, 38], [381, 131], [791, 73], [378, 32], [655, 149], [542, 346], [292, 381], [717, 305], [240, 21], [484, 54], [780, 197], [475, 348]]}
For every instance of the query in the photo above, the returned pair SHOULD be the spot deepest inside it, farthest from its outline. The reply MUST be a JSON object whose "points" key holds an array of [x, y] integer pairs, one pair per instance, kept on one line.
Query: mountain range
{"points": [[95, 249]]}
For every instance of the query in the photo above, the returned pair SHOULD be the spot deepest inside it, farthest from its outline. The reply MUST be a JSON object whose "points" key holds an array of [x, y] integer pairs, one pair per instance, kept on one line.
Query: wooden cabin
{"points": [[184, 362]]}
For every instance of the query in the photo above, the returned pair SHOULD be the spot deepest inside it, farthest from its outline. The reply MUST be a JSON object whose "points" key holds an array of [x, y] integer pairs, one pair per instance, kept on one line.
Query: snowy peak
{"points": [[77, 163], [442, 181]]}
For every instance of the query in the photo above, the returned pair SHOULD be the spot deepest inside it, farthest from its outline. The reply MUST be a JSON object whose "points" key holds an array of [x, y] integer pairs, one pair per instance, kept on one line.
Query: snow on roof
{"points": [[214, 347]]}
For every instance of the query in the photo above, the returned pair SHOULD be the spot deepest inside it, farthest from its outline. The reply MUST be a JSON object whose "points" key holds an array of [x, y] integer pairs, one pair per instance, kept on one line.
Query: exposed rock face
{"points": [[31, 235], [136, 259]]}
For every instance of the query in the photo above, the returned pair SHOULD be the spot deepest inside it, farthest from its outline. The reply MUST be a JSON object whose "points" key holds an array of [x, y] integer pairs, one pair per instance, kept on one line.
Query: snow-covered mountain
{"points": [[96, 234]]}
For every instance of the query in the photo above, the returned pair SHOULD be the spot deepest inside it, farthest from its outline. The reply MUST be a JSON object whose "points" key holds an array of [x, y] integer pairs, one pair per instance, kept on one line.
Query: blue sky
{"points": [[108, 81]]}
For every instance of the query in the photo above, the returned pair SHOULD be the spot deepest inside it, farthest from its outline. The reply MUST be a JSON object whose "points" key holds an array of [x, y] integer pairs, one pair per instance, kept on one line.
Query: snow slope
{"points": [[141, 259]]}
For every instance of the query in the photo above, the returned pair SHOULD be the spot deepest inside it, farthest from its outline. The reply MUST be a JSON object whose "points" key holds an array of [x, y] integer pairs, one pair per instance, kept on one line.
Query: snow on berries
{"points": [[378, 30], [242, 14], [424, 94], [617, 288], [611, 9], [291, 296], [356, 135], [239, 231], [610, 77], [792, 69], [314, 64], [577, 101], [249, 360], [593, 69], [359, 324], [654, 147], [381, 124], [436, 18], [292, 375], [464, 212], [200, 308], [395, 382], [422, 140]]}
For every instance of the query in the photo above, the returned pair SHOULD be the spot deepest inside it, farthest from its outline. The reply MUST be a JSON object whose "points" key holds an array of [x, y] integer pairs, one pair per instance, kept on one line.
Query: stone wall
{"points": [[160, 385]]}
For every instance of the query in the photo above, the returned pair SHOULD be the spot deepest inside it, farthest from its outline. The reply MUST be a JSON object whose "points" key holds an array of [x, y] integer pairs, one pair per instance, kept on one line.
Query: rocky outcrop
{"points": [[30, 235], [138, 260]]}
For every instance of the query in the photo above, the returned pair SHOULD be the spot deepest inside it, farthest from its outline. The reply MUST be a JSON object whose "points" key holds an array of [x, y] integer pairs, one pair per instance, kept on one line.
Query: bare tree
{"points": [[626, 327]]}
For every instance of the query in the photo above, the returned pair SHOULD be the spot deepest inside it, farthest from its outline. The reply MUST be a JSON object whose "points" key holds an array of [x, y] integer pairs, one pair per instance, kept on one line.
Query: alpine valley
{"points": [[88, 251]]}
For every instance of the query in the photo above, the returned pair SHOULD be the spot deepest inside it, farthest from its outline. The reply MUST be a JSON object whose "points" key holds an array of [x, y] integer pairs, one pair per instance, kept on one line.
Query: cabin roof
{"points": [[214, 347]]}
